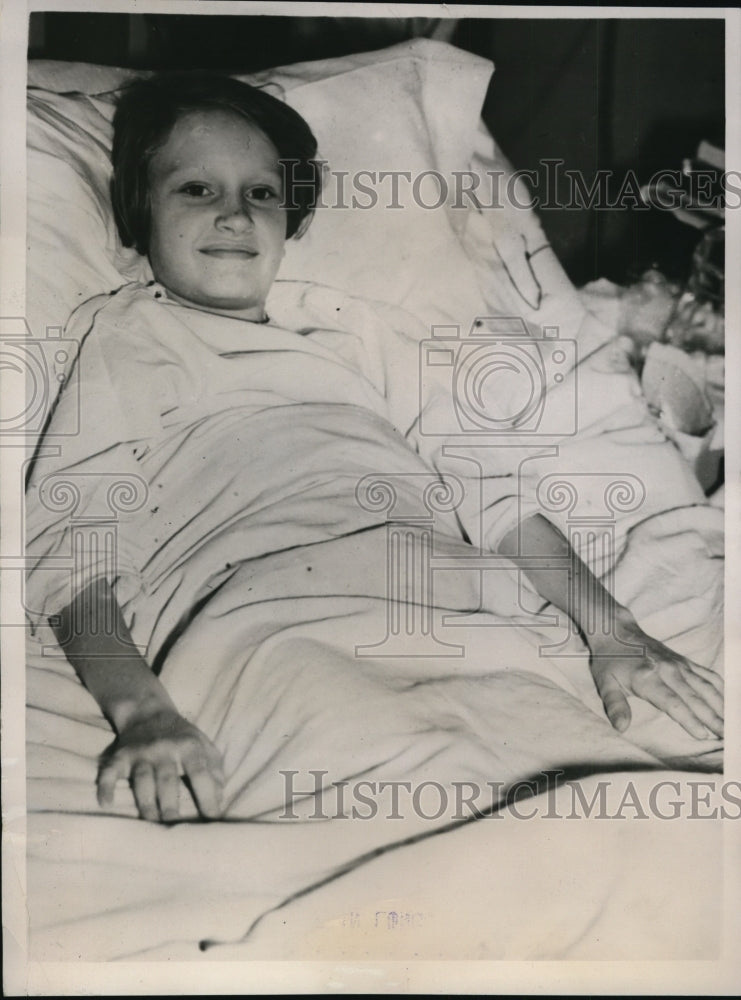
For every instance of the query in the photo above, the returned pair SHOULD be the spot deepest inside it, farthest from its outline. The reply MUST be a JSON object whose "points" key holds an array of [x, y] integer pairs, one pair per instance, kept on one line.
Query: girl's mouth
{"points": [[223, 251]]}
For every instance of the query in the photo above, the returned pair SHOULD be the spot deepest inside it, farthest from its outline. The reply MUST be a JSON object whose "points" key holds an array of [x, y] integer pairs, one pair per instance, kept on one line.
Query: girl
{"points": [[211, 177]]}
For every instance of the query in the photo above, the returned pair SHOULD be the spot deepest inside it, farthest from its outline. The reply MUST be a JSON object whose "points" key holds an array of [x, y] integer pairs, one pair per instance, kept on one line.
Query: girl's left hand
{"points": [[690, 694]]}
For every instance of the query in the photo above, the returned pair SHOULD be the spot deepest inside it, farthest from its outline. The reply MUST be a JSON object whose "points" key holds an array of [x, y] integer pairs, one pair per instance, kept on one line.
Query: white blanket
{"points": [[269, 605]]}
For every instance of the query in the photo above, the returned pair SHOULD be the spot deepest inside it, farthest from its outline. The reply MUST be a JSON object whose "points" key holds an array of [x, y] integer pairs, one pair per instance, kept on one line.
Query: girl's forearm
{"points": [[576, 590], [94, 636]]}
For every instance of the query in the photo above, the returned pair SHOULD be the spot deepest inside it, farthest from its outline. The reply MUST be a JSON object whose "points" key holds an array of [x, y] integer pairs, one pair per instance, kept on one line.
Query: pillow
{"points": [[414, 108]]}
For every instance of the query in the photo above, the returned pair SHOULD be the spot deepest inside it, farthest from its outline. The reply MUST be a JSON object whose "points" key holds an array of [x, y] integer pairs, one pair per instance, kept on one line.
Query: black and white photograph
{"points": [[370, 491]]}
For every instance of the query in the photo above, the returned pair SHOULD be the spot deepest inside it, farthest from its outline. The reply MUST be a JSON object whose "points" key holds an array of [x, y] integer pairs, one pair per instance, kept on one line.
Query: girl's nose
{"points": [[234, 215]]}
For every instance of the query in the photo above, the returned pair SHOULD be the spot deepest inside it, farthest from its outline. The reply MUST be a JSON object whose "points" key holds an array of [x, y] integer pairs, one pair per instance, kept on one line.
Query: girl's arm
{"points": [[154, 743], [690, 694]]}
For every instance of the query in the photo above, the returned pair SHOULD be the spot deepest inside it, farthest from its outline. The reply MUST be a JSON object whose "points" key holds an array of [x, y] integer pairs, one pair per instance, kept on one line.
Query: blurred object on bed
{"points": [[647, 307], [697, 198], [696, 324], [655, 309], [675, 390], [682, 372], [682, 390], [674, 333]]}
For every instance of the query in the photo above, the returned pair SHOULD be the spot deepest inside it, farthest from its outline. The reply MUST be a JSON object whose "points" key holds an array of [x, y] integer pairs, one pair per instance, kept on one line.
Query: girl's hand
{"points": [[690, 694], [153, 752]]}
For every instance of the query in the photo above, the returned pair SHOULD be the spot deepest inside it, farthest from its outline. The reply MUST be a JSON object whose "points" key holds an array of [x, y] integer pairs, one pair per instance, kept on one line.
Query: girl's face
{"points": [[217, 228]]}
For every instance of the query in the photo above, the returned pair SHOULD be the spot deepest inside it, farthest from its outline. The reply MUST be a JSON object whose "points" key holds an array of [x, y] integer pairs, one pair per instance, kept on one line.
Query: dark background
{"points": [[599, 94]]}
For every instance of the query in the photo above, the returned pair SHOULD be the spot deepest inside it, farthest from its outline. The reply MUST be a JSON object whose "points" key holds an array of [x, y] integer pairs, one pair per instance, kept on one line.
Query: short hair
{"points": [[146, 113]]}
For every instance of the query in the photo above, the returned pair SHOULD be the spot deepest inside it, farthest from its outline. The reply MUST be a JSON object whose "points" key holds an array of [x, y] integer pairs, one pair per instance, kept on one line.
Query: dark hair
{"points": [[146, 112]]}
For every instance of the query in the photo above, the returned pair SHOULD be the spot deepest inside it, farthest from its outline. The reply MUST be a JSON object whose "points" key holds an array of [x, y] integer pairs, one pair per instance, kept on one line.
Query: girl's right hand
{"points": [[152, 752]]}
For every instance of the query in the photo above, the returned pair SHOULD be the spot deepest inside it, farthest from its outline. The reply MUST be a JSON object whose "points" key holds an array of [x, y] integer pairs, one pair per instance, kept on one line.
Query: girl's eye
{"points": [[195, 190], [262, 193]]}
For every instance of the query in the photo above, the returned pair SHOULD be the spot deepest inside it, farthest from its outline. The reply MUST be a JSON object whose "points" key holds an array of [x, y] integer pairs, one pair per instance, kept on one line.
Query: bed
{"points": [[538, 874]]}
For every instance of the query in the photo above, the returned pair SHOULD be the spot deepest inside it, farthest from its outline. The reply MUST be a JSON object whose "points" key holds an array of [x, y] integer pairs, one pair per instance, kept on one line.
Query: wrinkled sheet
{"points": [[110, 886], [280, 664]]}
